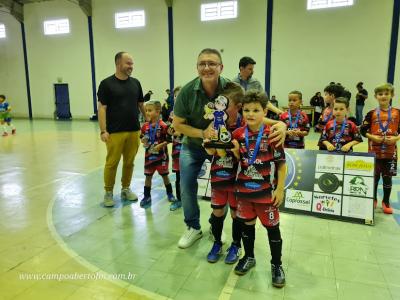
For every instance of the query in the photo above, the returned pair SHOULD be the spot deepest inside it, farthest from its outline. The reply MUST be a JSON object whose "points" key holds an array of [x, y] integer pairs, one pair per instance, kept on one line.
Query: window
{"points": [[130, 19], [317, 4], [2, 31], [60, 26], [219, 10]]}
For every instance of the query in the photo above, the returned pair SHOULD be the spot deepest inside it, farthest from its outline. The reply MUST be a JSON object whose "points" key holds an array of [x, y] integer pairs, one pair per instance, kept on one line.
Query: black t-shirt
{"points": [[122, 98], [360, 100]]}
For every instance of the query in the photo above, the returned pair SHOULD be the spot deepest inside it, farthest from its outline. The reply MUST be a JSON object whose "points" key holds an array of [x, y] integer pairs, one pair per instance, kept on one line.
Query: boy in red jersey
{"points": [[340, 134], [332, 91], [223, 174], [296, 121], [154, 139], [255, 193], [176, 139], [382, 126]]}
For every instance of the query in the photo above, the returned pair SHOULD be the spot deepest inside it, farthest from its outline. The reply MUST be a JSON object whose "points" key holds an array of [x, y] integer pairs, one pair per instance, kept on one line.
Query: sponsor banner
{"points": [[327, 204], [357, 207], [358, 186], [296, 199], [329, 163], [359, 165], [328, 183]]}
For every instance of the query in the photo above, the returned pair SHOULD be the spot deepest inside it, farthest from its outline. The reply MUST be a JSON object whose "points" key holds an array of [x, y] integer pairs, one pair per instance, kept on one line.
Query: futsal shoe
{"points": [[215, 253], [244, 265], [233, 254], [278, 276], [175, 205], [386, 208], [145, 202]]}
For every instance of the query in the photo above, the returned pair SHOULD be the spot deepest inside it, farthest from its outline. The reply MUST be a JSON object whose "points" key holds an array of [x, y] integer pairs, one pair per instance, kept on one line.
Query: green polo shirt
{"points": [[190, 103]]}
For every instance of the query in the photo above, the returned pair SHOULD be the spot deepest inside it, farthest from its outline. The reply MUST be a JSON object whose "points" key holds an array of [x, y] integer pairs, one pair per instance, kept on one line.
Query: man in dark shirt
{"points": [[361, 96], [120, 98]]}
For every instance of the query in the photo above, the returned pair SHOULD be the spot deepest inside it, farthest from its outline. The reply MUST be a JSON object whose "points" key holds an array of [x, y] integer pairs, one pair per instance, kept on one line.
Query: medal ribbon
{"points": [[256, 148]]}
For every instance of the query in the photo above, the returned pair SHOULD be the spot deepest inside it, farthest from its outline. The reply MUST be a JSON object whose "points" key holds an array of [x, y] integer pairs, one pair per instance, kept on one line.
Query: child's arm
{"points": [[236, 149], [375, 138], [347, 147], [391, 140], [274, 109], [278, 193], [160, 146], [328, 146], [325, 141]]}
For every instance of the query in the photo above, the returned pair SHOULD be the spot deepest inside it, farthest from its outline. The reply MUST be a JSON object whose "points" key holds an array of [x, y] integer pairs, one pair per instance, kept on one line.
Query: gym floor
{"points": [[53, 225]]}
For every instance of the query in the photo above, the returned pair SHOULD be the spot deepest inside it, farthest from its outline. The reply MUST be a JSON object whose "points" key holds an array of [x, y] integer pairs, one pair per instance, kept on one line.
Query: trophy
{"points": [[217, 113]]}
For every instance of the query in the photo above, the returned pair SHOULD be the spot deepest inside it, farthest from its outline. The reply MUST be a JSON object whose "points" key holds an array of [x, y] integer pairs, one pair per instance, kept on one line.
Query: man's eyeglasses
{"points": [[210, 64]]}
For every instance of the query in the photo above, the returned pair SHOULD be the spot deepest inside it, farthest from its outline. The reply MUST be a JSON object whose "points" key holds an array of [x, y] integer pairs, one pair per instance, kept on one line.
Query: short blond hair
{"points": [[155, 103], [384, 87], [234, 92]]}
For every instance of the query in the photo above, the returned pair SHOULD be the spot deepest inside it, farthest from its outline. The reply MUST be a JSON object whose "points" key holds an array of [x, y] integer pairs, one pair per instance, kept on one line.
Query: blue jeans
{"points": [[359, 114], [190, 161]]}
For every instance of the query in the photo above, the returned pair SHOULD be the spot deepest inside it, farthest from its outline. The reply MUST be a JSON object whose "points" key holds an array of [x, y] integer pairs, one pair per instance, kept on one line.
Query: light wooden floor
{"points": [[52, 224]]}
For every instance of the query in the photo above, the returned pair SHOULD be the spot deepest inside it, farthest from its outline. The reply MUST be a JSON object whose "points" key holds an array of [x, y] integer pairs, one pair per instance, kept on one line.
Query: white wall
{"points": [[148, 45], [244, 36], [52, 56], [309, 48], [347, 45], [12, 69]]}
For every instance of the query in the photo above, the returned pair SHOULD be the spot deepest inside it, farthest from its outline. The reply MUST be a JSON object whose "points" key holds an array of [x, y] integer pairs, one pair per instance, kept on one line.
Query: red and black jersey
{"points": [[302, 124], [325, 117], [224, 169], [152, 157], [371, 125], [332, 134], [254, 182]]}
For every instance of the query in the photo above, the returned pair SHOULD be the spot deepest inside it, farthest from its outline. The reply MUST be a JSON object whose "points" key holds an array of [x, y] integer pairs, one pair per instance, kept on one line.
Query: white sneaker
{"points": [[108, 199], [189, 237], [127, 194], [211, 236]]}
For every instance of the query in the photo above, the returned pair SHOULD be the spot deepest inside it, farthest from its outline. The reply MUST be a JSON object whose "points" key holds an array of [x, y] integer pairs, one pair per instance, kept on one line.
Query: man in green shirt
{"points": [[189, 120]]}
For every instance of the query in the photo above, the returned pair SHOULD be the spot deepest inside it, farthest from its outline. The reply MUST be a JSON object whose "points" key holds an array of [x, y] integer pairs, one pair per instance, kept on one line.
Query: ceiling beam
{"points": [[14, 8], [86, 6], [169, 2]]}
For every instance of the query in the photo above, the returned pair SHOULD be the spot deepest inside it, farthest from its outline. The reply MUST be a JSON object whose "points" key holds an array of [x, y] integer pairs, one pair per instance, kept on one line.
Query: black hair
{"points": [[244, 61], [334, 89], [118, 56]]}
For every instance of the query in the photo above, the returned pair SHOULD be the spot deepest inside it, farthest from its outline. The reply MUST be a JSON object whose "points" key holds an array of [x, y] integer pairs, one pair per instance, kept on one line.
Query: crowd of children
{"points": [[249, 177]]}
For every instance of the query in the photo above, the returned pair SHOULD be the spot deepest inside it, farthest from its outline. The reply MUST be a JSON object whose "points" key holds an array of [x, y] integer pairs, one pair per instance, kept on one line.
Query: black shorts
{"points": [[386, 166]]}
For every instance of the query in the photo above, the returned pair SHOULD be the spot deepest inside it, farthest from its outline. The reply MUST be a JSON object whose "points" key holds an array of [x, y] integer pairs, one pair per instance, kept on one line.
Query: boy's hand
{"points": [[330, 147], [345, 148], [209, 132], [391, 140], [278, 133], [158, 147], [236, 149], [277, 197], [376, 138], [221, 152]]}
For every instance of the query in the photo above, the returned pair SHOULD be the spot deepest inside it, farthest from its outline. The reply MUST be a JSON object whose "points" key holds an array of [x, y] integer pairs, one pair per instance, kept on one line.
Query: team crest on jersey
{"points": [[225, 162], [252, 172]]}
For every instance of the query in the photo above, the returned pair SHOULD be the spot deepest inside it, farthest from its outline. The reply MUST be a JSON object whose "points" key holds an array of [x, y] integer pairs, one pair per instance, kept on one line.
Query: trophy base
{"points": [[219, 145]]}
